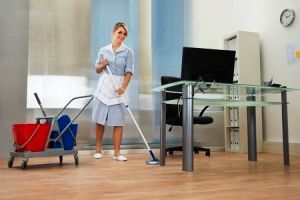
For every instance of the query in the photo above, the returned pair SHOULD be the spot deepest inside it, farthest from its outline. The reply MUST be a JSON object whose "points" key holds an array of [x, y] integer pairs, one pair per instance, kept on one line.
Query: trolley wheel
{"points": [[76, 158], [60, 160], [207, 153], [10, 162], [24, 164]]}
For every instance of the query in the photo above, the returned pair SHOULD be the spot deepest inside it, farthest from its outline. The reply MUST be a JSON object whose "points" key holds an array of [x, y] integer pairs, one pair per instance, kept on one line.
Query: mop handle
{"points": [[126, 105], [40, 104]]}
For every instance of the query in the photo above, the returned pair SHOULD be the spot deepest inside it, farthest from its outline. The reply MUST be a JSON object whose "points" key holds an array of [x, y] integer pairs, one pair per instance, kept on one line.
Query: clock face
{"points": [[287, 17]]}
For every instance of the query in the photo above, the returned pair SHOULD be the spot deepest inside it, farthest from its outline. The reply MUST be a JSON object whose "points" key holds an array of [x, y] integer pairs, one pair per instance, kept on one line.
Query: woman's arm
{"points": [[99, 68], [101, 65], [121, 90]]}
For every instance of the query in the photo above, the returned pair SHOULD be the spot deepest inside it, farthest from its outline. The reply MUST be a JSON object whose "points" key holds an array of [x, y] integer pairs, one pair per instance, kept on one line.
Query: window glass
{"points": [[167, 43]]}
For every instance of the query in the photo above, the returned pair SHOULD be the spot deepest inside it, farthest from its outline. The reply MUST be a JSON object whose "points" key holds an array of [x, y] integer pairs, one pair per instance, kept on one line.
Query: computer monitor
{"points": [[207, 65]]}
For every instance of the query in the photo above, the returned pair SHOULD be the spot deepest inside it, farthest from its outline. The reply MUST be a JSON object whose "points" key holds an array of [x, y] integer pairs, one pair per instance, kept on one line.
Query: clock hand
{"points": [[287, 15]]}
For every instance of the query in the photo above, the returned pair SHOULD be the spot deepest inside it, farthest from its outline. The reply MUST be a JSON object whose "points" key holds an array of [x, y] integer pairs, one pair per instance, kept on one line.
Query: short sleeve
{"points": [[130, 62], [99, 57]]}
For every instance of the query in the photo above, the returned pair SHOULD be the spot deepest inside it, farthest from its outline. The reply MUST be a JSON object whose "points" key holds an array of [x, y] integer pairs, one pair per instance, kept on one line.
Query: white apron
{"points": [[106, 92]]}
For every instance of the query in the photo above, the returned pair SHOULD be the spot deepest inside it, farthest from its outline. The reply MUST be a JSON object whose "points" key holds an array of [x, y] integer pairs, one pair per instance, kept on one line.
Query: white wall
{"points": [[263, 17], [211, 20], [207, 22]]}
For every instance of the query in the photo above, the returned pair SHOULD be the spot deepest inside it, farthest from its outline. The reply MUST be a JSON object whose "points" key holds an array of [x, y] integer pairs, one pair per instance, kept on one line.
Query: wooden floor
{"points": [[221, 176]]}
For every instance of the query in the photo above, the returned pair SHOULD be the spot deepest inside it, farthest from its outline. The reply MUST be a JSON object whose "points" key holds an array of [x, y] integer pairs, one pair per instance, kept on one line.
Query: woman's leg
{"points": [[117, 139], [99, 129]]}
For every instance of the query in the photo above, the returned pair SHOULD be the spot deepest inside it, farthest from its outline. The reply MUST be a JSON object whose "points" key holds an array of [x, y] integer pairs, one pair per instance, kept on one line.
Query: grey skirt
{"points": [[108, 115]]}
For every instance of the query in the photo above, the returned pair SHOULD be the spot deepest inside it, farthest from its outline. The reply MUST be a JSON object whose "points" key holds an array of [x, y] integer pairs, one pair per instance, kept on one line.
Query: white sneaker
{"points": [[120, 158], [98, 155]]}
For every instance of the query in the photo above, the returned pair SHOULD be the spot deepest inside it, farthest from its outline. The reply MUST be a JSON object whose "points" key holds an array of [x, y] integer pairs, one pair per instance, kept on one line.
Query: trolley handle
{"points": [[75, 117], [80, 97]]}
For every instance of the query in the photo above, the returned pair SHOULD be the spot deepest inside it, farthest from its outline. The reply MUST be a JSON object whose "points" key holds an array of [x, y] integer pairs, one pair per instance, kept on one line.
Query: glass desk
{"points": [[218, 94]]}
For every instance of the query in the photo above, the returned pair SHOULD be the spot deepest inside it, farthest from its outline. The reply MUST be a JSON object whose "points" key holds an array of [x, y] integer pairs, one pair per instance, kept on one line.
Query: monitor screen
{"points": [[207, 65]]}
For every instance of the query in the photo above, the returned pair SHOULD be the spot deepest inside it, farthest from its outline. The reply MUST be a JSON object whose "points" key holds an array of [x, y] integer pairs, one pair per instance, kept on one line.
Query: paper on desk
{"points": [[291, 54], [298, 54]]}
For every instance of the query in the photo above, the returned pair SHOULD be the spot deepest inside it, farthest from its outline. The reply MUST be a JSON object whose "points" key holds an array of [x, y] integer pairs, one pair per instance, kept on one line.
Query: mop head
{"points": [[153, 162]]}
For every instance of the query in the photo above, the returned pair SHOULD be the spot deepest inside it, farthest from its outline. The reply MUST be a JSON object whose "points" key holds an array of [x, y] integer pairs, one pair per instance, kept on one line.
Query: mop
{"points": [[154, 160]]}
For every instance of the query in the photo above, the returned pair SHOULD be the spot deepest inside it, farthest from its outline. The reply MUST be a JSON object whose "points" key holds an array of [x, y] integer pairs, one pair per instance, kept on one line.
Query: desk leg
{"points": [[187, 161], [285, 132], [251, 124], [163, 131]]}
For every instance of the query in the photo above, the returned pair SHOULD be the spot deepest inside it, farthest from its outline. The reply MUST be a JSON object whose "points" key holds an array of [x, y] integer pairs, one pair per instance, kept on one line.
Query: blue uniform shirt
{"points": [[119, 62]]}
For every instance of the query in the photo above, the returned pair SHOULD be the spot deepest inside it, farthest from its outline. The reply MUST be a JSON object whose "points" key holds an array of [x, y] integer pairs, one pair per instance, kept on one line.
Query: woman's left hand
{"points": [[120, 90]]}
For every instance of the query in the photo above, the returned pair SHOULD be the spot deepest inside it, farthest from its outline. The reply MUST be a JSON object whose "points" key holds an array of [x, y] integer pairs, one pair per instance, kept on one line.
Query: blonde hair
{"points": [[120, 24]]}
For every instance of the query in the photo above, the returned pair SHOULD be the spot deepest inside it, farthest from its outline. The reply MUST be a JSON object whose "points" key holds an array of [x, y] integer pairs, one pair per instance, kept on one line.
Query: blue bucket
{"points": [[57, 144], [69, 136]]}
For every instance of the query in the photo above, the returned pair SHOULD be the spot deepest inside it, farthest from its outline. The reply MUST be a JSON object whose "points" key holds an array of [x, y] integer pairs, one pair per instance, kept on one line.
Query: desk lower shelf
{"points": [[223, 102]]}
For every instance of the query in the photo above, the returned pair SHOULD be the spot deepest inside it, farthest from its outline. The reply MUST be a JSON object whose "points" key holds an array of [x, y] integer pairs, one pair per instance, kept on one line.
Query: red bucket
{"points": [[32, 137]]}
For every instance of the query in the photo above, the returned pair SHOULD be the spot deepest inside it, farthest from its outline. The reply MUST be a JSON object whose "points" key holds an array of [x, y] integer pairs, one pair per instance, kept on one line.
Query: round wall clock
{"points": [[287, 17]]}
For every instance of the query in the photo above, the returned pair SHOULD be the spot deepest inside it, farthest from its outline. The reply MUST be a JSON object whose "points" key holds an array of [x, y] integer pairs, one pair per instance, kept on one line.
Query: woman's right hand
{"points": [[102, 65], [104, 62]]}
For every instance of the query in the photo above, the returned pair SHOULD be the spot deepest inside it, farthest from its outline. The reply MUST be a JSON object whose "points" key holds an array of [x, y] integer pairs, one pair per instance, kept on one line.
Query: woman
{"points": [[108, 109]]}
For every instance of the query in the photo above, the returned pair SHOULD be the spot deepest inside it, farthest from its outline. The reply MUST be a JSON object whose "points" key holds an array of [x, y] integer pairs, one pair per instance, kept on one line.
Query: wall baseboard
{"points": [[276, 147]]}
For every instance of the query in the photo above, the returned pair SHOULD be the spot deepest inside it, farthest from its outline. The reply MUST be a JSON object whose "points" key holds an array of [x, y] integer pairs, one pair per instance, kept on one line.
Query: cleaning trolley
{"points": [[49, 136]]}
